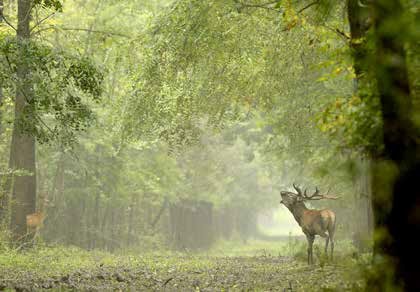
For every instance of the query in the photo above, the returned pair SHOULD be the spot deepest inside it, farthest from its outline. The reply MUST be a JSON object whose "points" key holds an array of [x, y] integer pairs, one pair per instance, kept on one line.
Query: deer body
{"points": [[34, 222], [312, 222]]}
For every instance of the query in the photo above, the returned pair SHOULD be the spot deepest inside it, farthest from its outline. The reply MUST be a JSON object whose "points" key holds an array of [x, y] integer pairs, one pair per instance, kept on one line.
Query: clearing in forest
{"points": [[257, 266]]}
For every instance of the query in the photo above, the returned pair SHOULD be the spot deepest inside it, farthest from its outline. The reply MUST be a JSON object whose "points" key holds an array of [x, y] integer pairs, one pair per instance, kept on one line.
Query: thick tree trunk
{"points": [[23, 144], [5, 180], [1, 101], [360, 21], [396, 202], [401, 154], [363, 234], [1, 17]]}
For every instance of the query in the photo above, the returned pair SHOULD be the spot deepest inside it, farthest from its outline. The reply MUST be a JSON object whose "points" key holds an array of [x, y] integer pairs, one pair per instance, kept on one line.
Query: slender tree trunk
{"points": [[113, 227], [367, 190], [4, 193], [159, 214], [95, 226], [82, 238], [133, 206], [23, 144]]}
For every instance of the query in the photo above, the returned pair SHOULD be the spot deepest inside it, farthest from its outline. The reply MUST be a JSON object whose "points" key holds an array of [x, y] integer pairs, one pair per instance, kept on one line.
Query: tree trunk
{"points": [[1, 97], [359, 21], [23, 143], [4, 191], [94, 228], [395, 200], [367, 190], [359, 17], [401, 146], [159, 214], [130, 230], [1, 20]]}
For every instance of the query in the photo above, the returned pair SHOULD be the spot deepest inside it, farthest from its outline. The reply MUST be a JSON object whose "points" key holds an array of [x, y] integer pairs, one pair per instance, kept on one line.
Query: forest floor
{"points": [[258, 266]]}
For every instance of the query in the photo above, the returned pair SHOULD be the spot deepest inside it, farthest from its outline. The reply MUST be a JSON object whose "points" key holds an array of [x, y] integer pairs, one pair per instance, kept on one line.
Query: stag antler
{"points": [[317, 196], [297, 189]]}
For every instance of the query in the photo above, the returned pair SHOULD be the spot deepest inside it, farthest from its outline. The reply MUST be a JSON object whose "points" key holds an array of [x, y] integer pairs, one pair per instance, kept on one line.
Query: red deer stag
{"points": [[312, 222]]}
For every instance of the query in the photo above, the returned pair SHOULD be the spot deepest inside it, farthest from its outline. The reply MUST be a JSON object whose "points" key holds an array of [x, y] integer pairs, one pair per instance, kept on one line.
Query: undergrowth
{"points": [[229, 265]]}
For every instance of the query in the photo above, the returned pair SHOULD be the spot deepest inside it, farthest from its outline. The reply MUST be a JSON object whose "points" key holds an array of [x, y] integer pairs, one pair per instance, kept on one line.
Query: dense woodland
{"points": [[146, 125]]}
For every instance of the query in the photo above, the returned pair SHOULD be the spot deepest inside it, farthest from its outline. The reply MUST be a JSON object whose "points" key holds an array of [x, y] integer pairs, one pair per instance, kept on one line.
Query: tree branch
{"points": [[7, 22], [267, 5], [339, 32], [41, 21], [86, 30], [263, 5], [308, 6]]}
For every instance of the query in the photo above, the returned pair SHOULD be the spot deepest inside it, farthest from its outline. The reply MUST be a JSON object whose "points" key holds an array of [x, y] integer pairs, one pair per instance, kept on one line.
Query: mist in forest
{"points": [[222, 188], [190, 145]]}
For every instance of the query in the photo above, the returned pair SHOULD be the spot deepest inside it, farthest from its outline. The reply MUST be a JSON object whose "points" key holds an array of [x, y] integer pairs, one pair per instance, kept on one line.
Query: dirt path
{"points": [[190, 273]]}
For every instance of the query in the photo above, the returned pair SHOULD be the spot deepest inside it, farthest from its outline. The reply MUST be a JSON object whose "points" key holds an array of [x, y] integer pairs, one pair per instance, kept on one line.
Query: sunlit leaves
{"points": [[353, 120], [53, 4]]}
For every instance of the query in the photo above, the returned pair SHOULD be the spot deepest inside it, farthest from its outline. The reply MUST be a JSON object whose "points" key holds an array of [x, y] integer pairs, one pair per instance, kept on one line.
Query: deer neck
{"points": [[297, 211]]}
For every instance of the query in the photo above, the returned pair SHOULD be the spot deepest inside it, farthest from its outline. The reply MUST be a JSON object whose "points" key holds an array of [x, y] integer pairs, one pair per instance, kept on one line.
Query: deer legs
{"points": [[310, 239], [327, 239], [331, 238]]}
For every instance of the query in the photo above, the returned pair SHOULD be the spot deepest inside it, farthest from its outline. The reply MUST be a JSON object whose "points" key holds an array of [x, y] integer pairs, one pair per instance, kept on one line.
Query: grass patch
{"points": [[229, 265]]}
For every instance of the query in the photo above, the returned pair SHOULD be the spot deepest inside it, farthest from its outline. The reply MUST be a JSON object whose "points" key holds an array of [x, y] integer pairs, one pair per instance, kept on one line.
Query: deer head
{"points": [[290, 199]]}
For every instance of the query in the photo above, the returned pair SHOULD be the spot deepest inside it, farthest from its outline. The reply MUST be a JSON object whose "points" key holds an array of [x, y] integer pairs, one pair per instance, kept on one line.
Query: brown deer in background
{"points": [[35, 221], [312, 222]]}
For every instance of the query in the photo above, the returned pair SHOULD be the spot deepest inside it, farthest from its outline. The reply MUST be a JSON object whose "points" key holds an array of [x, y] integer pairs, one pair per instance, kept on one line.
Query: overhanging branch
{"points": [[110, 33]]}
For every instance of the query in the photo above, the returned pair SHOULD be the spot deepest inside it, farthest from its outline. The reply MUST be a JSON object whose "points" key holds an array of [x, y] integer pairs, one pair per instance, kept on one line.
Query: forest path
{"points": [[190, 273]]}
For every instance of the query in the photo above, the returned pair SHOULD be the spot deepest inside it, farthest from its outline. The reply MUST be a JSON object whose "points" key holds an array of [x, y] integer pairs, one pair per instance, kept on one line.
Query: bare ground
{"points": [[190, 273]]}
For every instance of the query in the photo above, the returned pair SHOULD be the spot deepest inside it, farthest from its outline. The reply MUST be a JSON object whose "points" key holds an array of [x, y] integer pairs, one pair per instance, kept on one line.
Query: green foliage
{"points": [[355, 122], [190, 72], [62, 85], [218, 101], [54, 4]]}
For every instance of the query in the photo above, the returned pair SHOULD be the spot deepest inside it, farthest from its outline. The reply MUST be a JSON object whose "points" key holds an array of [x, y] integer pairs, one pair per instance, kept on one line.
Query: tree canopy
{"points": [[129, 121]]}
